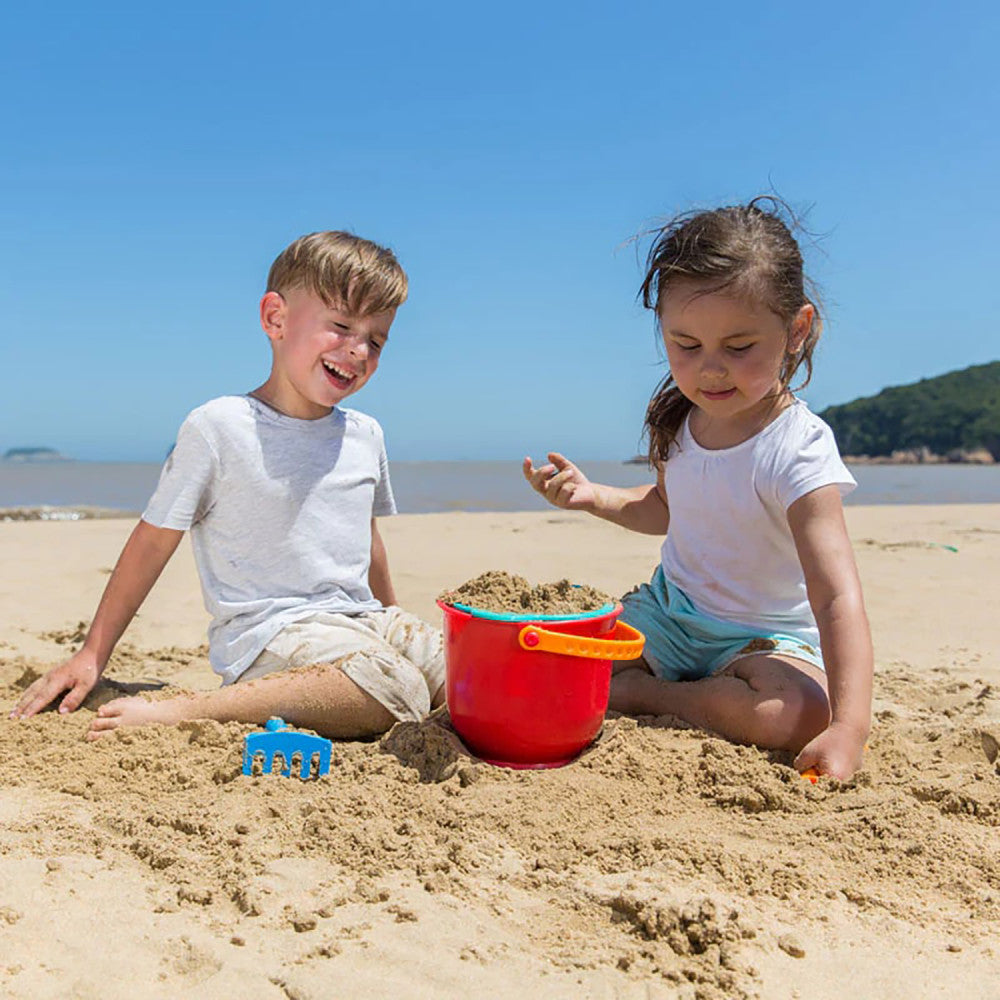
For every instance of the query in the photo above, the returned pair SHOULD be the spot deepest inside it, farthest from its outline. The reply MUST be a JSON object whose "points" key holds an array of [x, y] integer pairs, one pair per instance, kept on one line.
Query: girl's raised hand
{"points": [[561, 483]]}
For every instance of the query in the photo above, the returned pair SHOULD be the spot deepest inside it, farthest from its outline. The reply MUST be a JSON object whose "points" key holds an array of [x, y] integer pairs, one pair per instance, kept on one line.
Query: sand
{"points": [[665, 862], [499, 591]]}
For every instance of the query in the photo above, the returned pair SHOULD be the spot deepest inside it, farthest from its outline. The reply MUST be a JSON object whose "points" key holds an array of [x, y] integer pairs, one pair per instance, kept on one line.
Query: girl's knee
{"points": [[809, 715], [798, 713], [791, 706]]}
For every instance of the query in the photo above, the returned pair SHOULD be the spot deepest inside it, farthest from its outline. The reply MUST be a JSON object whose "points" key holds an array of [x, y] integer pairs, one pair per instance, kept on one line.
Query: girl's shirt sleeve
{"points": [[188, 480], [809, 459]]}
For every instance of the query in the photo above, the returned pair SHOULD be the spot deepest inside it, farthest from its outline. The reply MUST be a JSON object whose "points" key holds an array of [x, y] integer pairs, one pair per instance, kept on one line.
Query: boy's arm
{"points": [[146, 552], [817, 523], [378, 572], [638, 508]]}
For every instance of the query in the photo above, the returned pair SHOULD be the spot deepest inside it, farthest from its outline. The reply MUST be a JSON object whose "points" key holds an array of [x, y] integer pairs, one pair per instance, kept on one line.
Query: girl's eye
{"points": [[741, 350], [688, 347]]}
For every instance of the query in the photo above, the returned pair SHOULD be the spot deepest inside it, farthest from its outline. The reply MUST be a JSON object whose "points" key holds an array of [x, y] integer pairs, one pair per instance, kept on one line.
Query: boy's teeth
{"points": [[336, 371]]}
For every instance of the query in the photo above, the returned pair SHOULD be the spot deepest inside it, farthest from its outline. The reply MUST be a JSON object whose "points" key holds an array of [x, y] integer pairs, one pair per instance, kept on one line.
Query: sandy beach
{"points": [[663, 863]]}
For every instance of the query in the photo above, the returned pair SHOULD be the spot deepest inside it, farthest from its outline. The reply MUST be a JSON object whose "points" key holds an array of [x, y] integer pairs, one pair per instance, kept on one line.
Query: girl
{"points": [[754, 620]]}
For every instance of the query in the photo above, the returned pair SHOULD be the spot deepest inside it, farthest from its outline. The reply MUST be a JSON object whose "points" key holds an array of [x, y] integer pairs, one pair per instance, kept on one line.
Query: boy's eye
{"points": [[376, 345], [687, 347], [741, 349]]}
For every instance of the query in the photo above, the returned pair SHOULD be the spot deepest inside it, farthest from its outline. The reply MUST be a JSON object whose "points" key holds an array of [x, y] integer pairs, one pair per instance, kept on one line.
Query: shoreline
{"points": [[87, 512], [922, 457], [69, 512]]}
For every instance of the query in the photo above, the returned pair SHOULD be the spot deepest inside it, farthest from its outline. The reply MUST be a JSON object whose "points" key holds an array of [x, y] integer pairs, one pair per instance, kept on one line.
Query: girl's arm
{"points": [[638, 508], [146, 552], [824, 549], [378, 572]]}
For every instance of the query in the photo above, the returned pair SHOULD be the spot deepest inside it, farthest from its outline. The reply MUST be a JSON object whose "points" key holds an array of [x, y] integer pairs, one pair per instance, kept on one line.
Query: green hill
{"points": [[956, 412]]}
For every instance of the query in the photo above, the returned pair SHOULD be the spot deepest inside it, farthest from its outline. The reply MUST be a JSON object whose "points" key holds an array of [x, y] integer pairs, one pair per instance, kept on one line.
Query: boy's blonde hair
{"points": [[343, 270]]}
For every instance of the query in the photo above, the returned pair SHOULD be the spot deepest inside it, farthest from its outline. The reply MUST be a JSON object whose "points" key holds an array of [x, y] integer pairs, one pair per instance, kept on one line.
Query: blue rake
{"points": [[279, 737]]}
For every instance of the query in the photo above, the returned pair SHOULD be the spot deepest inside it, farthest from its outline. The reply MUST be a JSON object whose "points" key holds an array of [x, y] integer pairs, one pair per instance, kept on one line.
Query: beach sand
{"points": [[665, 862]]}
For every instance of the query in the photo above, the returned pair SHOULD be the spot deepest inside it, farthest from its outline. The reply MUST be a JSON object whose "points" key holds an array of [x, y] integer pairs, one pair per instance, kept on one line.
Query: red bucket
{"points": [[531, 692]]}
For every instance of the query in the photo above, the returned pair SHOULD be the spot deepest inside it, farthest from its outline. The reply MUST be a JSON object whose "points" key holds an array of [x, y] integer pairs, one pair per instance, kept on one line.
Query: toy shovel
{"points": [[279, 737]]}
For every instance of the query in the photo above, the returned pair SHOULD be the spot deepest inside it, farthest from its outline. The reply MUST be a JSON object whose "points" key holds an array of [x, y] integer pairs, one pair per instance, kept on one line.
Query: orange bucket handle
{"points": [[625, 643]]}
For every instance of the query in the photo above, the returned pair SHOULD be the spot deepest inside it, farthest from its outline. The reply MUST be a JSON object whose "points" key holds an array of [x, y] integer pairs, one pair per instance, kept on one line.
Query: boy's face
{"points": [[322, 353]]}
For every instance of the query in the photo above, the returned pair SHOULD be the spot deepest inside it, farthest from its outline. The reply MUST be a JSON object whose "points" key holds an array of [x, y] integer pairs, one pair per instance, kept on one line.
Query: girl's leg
{"points": [[319, 697], [775, 702]]}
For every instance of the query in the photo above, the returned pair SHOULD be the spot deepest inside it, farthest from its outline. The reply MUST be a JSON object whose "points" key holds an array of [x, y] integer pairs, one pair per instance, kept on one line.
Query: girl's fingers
{"points": [[557, 483], [76, 695], [537, 477], [33, 702]]}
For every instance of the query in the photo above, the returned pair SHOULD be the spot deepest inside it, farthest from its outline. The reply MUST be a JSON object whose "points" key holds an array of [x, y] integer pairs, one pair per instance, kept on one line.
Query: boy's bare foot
{"points": [[139, 711]]}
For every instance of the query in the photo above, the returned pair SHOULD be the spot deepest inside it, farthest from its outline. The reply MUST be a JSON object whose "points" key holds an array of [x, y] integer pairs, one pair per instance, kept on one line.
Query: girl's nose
{"points": [[713, 364]]}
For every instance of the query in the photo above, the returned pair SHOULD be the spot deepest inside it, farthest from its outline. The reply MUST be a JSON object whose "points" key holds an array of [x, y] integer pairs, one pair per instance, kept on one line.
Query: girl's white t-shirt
{"points": [[729, 546]]}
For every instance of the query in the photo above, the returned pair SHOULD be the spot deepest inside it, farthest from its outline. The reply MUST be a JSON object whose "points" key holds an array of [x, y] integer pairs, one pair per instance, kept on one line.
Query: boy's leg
{"points": [[320, 697], [344, 676], [420, 643], [775, 702]]}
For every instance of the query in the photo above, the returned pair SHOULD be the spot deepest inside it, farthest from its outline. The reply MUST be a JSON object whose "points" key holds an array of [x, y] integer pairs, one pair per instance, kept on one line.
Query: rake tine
{"points": [[281, 738]]}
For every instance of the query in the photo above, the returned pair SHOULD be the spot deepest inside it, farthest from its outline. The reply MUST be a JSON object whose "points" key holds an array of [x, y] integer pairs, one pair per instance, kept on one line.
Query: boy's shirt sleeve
{"points": [[186, 490], [384, 502]]}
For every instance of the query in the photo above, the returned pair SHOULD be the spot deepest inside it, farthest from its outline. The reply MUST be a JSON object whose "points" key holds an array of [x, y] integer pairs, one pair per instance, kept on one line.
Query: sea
{"points": [[426, 487]]}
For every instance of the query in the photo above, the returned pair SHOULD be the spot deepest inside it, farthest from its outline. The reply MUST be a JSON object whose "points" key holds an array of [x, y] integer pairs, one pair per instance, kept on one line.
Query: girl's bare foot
{"points": [[139, 711]]}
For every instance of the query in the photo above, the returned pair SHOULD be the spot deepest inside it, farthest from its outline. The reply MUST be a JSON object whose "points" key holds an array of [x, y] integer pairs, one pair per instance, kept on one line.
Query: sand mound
{"points": [[663, 855], [499, 591]]}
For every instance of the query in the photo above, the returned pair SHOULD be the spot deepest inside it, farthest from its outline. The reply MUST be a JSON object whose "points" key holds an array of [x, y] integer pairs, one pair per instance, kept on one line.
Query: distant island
{"points": [[950, 418], [33, 455]]}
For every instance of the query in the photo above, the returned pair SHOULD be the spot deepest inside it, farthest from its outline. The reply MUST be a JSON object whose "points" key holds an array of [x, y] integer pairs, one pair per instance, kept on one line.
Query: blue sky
{"points": [[157, 158]]}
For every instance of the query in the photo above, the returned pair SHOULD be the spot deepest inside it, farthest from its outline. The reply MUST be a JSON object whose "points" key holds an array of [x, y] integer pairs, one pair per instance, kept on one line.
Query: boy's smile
{"points": [[322, 353]]}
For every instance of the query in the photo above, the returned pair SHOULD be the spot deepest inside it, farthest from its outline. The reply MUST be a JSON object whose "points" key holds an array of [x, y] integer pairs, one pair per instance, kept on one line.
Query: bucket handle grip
{"points": [[625, 643]]}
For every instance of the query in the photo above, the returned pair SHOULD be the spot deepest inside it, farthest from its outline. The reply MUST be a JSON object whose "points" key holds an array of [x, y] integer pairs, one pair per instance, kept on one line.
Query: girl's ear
{"points": [[801, 326], [272, 315]]}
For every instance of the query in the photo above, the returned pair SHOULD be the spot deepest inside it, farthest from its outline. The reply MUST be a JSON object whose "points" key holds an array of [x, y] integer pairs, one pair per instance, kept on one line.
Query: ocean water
{"points": [[424, 487]]}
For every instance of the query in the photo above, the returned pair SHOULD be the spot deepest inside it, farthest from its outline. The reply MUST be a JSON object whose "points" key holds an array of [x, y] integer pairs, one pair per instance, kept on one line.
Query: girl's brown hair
{"points": [[749, 251]]}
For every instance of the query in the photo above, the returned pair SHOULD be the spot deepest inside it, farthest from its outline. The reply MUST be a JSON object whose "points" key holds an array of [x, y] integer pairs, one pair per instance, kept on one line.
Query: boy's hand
{"points": [[561, 483], [837, 751], [78, 675]]}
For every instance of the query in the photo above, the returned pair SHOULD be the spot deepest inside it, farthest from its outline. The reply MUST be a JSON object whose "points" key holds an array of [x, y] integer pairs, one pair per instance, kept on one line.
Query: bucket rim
{"points": [[506, 616]]}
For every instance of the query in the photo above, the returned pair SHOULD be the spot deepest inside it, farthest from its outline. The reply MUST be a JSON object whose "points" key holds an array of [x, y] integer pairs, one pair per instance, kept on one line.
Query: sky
{"points": [[157, 158]]}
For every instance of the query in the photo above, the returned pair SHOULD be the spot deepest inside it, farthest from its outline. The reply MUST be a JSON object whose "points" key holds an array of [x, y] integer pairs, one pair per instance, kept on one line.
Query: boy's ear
{"points": [[272, 315]]}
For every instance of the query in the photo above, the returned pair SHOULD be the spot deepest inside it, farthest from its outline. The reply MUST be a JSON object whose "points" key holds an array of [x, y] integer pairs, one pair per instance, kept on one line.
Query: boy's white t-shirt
{"points": [[729, 546], [280, 513]]}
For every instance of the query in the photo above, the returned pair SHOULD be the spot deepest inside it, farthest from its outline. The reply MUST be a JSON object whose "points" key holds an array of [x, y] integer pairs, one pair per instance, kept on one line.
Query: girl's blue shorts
{"points": [[682, 644]]}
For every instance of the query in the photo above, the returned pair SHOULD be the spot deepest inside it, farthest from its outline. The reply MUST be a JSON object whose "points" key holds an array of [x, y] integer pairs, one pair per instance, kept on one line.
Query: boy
{"points": [[280, 489]]}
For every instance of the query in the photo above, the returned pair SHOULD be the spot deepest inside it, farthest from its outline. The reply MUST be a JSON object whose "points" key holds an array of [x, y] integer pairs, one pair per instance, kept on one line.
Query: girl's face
{"points": [[725, 354]]}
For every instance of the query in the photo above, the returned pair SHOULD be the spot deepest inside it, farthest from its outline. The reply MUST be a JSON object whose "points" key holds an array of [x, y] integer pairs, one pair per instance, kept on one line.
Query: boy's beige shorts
{"points": [[390, 654]]}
